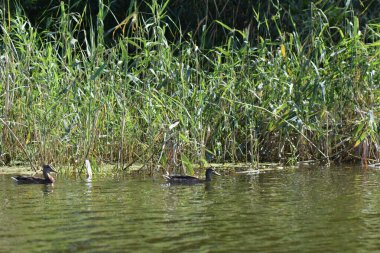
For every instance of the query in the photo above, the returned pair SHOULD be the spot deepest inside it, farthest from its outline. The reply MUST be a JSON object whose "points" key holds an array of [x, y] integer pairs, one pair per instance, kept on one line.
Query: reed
{"points": [[311, 94]]}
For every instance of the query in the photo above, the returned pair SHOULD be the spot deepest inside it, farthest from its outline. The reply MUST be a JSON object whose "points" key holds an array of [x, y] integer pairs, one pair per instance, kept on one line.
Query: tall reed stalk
{"points": [[68, 97]]}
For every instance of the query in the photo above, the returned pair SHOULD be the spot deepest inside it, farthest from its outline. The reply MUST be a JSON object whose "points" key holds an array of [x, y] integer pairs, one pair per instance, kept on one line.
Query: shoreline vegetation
{"points": [[146, 93]]}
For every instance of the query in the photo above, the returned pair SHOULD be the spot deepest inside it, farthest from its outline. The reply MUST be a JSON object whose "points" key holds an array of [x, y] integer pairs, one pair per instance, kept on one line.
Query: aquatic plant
{"points": [[311, 94]]}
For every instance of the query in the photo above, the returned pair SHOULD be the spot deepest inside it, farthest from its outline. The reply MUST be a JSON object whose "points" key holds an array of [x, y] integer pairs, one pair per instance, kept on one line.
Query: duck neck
{"points": [[208, 177], [49, 177]]}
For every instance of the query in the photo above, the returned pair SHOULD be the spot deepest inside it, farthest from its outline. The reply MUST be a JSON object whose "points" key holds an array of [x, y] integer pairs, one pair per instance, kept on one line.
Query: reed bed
{"points": [[67, 96]]}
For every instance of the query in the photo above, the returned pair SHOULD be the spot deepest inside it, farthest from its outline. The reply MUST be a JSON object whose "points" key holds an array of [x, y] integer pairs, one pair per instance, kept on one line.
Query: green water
{"points": [[298, 210]]}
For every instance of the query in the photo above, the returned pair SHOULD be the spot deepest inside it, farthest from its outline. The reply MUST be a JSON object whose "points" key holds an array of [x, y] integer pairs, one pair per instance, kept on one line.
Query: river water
{"points": [[292, 210]]}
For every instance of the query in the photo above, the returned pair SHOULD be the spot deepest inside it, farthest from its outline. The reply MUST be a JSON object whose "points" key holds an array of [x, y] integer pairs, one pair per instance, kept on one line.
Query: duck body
{"points": [[48, 179], [191, 180]]}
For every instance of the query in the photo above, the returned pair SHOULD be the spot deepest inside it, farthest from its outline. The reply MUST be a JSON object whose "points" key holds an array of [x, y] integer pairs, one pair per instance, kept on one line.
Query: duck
{"points": [[191, 180], [48, 179]]}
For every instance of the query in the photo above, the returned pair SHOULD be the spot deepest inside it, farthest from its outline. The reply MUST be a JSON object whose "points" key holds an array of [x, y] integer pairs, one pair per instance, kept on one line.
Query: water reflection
{"points": [[47, 189], [303, 210], [89, 185], [208, 186]]}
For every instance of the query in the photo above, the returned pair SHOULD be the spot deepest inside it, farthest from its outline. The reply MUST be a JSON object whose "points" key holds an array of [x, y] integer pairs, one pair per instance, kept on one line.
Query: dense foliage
{"points": [[257, 18], [267, 82]]}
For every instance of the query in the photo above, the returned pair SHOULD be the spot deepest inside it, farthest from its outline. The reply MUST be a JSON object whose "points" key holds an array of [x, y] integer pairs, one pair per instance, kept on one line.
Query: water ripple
{"points": [[304, 210]]}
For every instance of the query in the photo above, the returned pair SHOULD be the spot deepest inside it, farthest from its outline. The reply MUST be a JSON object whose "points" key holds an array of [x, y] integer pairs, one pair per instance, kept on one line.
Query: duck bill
{"points": [[216, 173], [53, 170]]}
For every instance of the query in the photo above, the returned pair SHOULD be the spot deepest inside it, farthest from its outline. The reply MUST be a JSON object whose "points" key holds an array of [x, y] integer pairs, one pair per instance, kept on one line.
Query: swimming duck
{"points": [[48, 179], [190, 179]]}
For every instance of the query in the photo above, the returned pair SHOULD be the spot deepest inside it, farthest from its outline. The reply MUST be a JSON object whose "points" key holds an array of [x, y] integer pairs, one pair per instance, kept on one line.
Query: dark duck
{"points": [[191, 180], [48, 179]]}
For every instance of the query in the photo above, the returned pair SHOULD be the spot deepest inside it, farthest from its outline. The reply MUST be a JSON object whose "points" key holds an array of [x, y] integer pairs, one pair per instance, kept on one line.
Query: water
{"points": [[299, 210]]}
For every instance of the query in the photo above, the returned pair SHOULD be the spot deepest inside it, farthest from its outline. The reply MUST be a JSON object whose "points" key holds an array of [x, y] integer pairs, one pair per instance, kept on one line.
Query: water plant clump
{"points": [[67, 95]]}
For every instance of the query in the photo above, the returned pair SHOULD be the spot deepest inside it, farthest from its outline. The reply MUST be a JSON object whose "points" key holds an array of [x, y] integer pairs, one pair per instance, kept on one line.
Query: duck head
{"points": [[47, 169], [210, 172]]}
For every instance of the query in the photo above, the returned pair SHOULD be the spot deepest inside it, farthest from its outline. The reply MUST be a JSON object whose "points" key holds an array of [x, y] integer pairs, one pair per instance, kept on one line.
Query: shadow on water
{"points": [[296, 210]]}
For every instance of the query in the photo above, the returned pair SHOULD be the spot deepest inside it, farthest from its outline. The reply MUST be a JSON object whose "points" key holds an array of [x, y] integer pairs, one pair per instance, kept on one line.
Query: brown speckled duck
{"points": [[48, 179], [190, 179]]}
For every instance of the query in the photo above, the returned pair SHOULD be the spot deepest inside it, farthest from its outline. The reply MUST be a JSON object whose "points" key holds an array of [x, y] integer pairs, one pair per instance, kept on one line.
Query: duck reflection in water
{"points": [[48, 179], [47, 189], [191, 180]]}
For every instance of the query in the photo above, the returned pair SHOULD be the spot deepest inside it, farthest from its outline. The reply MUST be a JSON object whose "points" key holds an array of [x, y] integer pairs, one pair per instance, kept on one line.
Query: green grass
{"points": [[67, 97]]}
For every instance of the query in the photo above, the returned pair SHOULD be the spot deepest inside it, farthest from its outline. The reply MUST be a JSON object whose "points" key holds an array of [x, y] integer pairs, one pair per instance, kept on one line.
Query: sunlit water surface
{"points": [[298, 210]]}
